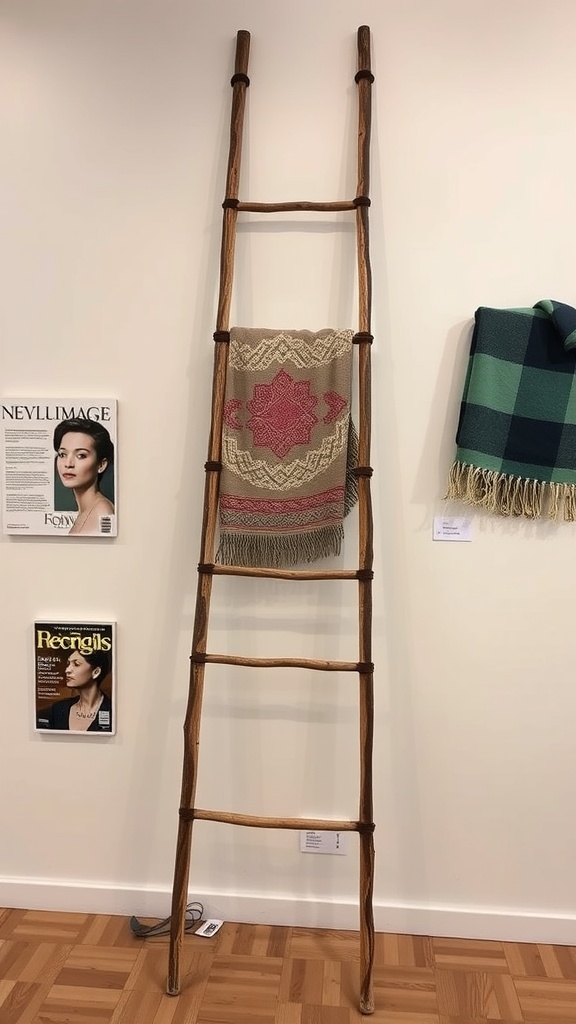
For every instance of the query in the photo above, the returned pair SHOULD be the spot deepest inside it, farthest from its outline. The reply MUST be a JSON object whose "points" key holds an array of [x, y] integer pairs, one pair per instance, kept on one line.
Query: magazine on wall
{"points": [[75, 677], [59, 466]]}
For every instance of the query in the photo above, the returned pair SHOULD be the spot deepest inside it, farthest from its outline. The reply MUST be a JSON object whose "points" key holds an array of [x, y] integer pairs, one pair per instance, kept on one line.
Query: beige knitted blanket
{"points": [[288, 446]]}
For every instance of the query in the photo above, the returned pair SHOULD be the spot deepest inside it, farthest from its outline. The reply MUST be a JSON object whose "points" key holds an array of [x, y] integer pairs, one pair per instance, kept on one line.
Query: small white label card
{"points": [[452, 528], [323, 842]]}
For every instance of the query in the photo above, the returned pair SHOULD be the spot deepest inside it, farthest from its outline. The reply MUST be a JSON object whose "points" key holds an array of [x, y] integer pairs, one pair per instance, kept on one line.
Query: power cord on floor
{"points": [[194, 912]]}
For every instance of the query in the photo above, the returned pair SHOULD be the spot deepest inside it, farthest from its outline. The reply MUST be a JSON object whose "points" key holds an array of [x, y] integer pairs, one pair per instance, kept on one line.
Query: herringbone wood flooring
{"points": [[89, 969]]}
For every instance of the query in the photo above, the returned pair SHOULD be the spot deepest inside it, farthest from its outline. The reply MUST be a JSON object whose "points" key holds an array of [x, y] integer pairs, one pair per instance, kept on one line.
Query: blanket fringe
{"points": [[511, 495], [276, 551], [351, 485]]}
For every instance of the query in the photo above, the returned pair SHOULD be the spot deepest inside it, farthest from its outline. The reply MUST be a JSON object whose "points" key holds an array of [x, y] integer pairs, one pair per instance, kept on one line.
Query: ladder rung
{"points": [[314, 663], [340, 206], [312, 824], [284, 574]]}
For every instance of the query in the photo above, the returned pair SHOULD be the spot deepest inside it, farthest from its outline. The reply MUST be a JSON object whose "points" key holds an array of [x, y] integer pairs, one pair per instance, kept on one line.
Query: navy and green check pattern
{"points": [[518, 413]]}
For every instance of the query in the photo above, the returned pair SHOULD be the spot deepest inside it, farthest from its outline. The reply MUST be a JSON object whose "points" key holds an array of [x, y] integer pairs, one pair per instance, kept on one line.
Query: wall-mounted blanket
{"points": [[288, 446], [516, 437]]}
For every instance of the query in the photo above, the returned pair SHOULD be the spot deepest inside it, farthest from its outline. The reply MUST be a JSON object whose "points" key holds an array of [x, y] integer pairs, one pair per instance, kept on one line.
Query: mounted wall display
{"points": [[516, 436], [75, 677], [59, 466]]}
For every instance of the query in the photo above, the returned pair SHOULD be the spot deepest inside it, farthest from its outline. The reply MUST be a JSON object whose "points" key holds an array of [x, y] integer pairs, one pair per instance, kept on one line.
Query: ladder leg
{"points": [[364, 79], [178, 912], [184, 841], [366, 826], [239, 84], [366, 923]]}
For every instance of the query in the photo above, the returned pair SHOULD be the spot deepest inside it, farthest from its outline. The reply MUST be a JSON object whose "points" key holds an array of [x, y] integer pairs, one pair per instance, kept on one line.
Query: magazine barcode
{"points": [[105, 524]]}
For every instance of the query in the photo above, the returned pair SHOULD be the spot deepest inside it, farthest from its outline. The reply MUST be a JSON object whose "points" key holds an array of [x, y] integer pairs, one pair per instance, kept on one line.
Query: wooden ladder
{"points": [[207, 569]]}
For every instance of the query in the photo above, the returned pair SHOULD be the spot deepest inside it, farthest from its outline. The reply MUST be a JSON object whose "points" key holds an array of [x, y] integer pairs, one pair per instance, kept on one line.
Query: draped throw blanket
{"points": [[516, 438], [288, 446]]}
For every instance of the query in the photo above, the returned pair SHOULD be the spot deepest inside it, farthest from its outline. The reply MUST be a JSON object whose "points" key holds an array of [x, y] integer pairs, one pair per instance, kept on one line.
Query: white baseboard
{"points": [[459, 922]]}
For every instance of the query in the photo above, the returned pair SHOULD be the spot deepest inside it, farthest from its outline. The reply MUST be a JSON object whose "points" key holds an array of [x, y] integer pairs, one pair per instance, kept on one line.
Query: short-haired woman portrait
{"points": [[84, 450], [91, 709]]}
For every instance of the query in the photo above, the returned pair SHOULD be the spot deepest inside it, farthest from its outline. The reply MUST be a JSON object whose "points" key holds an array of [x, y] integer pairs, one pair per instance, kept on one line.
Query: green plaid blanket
{"points": [[516, 437]]}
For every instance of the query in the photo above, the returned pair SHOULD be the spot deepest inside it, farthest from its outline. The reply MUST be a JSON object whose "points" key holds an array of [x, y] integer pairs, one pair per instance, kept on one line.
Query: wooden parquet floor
{"points": [[90, 969]]}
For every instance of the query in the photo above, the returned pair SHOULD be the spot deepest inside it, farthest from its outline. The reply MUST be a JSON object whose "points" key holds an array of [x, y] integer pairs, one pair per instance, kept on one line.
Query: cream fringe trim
{"points": [[511, 495], [279, 551]]}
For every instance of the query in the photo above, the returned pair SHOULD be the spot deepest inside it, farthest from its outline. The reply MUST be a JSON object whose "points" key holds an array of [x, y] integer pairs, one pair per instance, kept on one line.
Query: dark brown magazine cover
{"points": [[75, 678]]}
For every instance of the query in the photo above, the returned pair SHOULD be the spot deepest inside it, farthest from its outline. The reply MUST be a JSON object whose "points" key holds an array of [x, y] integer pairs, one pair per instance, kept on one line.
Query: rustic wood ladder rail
{"points": [[207, 569]]}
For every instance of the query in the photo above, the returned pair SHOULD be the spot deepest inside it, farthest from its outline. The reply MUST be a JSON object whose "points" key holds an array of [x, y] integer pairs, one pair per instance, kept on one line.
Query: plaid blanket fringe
{"points": [[510, 495]]}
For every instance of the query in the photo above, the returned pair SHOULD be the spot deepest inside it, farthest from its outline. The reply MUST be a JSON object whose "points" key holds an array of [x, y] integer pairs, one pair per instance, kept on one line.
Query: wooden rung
{"points": [[254, 821], [314, 663], [284, 574], [340, 206]]}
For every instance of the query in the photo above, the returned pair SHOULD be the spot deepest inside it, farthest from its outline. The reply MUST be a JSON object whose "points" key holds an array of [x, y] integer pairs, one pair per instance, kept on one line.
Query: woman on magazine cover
{"points": [[84, 450], [91, 710]]}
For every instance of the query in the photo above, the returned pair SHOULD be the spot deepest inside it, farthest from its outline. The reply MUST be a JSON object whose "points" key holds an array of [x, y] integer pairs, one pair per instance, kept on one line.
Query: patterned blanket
{"points": [[288, 446], [516, 438]]}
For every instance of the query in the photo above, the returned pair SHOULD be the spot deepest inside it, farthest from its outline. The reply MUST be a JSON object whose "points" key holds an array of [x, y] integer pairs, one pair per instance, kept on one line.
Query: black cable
{"points": [[194, 913]]}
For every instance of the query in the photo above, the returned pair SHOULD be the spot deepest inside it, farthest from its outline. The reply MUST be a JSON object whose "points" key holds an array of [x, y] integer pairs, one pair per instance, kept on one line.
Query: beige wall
{"points": [[113, 131]]}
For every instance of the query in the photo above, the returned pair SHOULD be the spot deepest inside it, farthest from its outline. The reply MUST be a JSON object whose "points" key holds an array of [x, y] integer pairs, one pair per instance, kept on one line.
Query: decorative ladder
{"points": [[207, 569]]}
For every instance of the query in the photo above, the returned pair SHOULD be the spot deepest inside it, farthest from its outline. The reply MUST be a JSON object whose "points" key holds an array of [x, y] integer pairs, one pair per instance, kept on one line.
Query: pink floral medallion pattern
{"points": [[336, 403], [230, 418], [281, 414]]}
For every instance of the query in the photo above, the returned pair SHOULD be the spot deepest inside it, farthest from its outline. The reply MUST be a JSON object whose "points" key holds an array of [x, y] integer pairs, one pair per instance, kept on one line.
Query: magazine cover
{"points": [[59, 466], [75, 677]]}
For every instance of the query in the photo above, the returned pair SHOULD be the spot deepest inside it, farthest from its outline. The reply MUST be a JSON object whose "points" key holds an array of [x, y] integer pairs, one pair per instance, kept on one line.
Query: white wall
{"points": [[113, 130]]}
